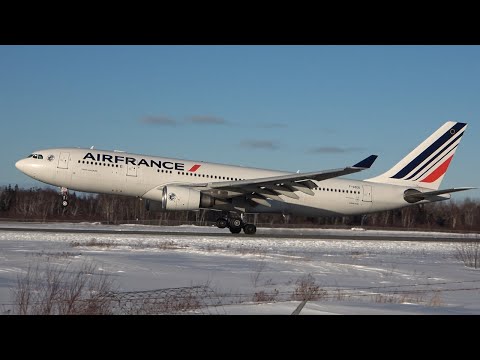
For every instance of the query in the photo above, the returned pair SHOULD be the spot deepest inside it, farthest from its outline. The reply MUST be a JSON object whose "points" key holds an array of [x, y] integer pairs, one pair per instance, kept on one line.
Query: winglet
{"points": [[367, 162]]}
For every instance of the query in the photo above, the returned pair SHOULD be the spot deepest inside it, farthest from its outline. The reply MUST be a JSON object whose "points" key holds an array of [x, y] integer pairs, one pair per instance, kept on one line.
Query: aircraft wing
{"points": [[287, 185]]}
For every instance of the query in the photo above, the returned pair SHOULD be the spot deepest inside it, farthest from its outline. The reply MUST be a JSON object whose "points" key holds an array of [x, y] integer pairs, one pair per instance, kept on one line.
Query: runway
{"points": [[282, 233]]}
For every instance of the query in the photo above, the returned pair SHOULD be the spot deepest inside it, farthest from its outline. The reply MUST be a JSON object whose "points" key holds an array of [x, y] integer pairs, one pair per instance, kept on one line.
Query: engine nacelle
{"points": [[184, 198]]}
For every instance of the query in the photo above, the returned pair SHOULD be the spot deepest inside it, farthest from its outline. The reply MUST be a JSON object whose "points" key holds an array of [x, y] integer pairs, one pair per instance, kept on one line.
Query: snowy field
{"points": [[247, 275]]}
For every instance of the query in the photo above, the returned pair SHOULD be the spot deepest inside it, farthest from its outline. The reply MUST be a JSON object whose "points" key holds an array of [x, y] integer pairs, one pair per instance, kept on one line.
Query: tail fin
{"points": [[426, 165]]}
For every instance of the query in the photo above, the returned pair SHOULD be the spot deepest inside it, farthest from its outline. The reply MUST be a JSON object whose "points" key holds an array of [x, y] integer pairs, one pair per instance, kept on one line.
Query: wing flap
{"points": [[287, 193], [302, 188], [260, 201]]}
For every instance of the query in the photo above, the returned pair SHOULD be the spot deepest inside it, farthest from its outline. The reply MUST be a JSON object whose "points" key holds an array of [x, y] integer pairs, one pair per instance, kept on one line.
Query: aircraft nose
{"points": [[26, 167], [29, 167], [20, 165]]}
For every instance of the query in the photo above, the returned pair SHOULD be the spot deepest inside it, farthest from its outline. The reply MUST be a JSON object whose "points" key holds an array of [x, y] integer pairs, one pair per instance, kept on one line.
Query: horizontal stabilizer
{"points": [[414, 195]]}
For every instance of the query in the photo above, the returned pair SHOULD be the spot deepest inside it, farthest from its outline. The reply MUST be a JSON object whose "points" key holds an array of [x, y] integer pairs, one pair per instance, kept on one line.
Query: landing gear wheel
{"points": [[222, 223], [235, 230], [249, 229], [236, 223]]}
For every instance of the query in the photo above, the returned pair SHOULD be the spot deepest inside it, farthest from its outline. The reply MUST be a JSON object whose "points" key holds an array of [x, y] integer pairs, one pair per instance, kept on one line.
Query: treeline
{"points": [[43, 204]]}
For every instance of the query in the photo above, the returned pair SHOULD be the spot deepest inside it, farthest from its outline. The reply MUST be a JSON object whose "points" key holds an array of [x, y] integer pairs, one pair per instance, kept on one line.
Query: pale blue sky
{"points": [[275, 107]]}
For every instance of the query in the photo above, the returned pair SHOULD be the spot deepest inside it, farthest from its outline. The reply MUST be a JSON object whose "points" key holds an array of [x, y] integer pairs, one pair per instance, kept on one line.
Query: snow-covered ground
{"points": [[351, 276]]}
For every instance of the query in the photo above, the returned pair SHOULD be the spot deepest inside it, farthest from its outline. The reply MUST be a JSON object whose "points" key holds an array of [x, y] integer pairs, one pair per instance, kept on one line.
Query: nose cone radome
{"points": [[21, 165], [26, 166]]}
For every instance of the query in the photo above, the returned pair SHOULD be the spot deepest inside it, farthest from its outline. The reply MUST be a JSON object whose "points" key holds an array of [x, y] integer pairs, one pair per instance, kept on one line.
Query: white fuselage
{"points": [[112, 172]]}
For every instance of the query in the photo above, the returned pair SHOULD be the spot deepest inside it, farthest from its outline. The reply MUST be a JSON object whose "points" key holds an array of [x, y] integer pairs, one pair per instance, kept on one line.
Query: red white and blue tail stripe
{"points": [[427, 164]]}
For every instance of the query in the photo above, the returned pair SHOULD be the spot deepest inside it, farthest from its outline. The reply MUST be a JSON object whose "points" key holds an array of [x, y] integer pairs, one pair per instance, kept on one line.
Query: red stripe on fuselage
{"points": [[442, 169], [194, 168]]}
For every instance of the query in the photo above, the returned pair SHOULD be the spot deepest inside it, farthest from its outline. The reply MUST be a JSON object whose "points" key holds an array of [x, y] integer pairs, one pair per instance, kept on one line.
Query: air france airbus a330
{"points": [[174, 184]]}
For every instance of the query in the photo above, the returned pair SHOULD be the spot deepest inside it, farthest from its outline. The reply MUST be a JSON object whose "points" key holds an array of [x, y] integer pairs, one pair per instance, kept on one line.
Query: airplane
{"points": [[169, 184]]}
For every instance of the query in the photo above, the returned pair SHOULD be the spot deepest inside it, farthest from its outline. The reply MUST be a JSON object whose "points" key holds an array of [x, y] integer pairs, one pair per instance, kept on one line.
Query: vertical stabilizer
{"points": [[427, 164]]}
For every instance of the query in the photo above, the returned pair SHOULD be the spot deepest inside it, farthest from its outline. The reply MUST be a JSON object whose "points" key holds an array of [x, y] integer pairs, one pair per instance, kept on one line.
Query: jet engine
{"points": [[184, 198]]}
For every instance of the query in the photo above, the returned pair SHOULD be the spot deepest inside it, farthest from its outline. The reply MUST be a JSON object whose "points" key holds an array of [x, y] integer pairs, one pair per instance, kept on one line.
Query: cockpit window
{"points": [[36, 156]]}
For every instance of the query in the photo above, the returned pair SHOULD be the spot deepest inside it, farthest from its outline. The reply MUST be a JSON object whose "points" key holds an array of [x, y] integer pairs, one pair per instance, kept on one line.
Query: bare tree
{"points": [[45, 204], [260, 267], [53, 289], [307, 289], [469, 253]]}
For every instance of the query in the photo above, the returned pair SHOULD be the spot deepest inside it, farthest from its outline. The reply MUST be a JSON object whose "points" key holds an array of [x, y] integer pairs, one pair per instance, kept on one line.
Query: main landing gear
{"points": [[236, 224], [64, 193]]}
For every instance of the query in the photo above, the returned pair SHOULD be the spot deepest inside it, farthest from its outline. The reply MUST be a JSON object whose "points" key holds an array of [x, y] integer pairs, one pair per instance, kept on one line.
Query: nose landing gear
{"points": [[64, 193]]}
